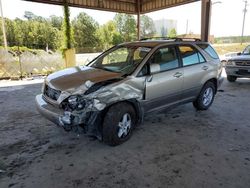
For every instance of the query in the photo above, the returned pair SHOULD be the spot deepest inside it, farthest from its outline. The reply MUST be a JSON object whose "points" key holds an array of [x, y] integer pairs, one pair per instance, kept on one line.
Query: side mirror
{"points": [[239, 53], [154, 68]]}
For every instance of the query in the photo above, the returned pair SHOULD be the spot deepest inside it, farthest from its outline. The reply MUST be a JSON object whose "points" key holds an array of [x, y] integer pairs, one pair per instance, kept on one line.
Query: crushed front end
{"points": [[80, 109], [72, 112]]}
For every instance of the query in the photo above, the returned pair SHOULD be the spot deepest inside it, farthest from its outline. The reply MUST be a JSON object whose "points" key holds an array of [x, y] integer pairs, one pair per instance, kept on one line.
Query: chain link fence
{"points": [[19, 64]]}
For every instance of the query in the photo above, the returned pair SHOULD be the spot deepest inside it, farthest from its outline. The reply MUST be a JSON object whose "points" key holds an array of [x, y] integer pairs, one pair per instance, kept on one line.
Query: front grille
{"points": [[51, 93], [242, 63]]}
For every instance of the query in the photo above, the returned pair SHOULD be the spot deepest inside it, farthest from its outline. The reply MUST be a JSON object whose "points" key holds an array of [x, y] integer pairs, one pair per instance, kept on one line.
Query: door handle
{"points": [[205, 67], [178, 75]]}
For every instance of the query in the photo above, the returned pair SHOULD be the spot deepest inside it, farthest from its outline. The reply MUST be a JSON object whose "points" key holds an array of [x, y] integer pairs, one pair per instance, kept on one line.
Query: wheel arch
{"points": [[134, 103], [214, 81]]}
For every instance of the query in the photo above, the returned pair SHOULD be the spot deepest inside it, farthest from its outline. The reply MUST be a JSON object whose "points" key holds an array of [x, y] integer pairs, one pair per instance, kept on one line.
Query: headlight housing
{"points": [[76, 102], [230, 63]]}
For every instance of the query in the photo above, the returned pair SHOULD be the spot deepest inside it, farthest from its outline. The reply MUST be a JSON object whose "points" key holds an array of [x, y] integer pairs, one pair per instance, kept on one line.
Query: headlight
{"points": [[73, 99], [76, 102], [231, 63]]}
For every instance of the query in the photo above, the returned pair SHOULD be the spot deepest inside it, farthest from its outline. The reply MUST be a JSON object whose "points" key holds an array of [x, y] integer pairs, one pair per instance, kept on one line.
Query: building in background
{"points": [[164, 26]]}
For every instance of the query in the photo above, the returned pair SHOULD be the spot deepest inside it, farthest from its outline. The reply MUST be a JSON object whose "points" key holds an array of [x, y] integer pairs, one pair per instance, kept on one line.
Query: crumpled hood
{"points": [[240, 58], [72, 78]]}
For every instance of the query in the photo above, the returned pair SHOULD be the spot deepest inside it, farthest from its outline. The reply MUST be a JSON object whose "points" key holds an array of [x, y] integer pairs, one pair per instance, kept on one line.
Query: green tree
{"points": [[10, 31], [109, 35], [85, 31], [172, 33], [68, 32], [126, 26], [56, 21], [22, 32], [1, 34], [37, 32], [147, 27]]}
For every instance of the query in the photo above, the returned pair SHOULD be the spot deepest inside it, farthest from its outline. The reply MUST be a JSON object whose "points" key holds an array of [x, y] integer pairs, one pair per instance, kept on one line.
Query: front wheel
{"points": [[206, 97], [231, 78], [118, 123]]}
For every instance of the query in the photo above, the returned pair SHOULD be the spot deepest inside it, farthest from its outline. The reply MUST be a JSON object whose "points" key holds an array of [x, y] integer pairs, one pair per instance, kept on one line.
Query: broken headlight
{"points": [[76, 102]]}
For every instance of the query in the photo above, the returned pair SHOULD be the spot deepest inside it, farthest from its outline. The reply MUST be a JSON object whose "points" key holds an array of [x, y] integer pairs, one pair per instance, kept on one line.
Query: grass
{"points": [[222, 49]]}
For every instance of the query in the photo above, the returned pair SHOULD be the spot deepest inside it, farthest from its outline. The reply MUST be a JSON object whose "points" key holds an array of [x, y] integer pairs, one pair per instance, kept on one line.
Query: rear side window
{"points": [[209, 50], [190, 56]]}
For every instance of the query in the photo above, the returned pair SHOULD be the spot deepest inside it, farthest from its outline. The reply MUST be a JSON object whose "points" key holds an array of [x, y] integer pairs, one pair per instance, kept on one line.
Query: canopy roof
{"points": [[123, 6]]}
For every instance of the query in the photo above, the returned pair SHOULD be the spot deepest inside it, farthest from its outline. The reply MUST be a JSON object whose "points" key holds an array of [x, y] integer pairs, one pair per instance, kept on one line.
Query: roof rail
{"points": [[156, 38], [188, 39], [172, 38]]}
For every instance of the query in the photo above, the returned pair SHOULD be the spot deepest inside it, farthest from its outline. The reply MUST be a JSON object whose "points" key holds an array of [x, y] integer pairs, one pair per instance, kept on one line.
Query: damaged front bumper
{"points": [[48, 111], [88, 122]]}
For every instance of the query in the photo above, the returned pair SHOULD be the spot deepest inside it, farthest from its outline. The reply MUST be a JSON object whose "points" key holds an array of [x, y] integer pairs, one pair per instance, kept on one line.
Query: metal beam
{"points": [[154, 5], [122, 6], [138, 19], [205, 19]]}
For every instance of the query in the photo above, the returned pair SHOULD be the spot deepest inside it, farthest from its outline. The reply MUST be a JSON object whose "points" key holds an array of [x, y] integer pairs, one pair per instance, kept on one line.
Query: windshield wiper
{"points": [[103, 68]]}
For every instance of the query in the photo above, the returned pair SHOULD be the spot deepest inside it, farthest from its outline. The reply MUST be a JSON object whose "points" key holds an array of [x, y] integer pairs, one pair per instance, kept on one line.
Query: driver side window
{"points": [[164, 59]]}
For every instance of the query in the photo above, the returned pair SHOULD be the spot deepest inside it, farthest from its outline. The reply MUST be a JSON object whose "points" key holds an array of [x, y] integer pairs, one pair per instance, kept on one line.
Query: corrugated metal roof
{"points": [[124, 6]]}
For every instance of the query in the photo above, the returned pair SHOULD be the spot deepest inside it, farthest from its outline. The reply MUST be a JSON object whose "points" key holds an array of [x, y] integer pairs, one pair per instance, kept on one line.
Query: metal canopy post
{"points": [[138, 19], [205, 19], [3, 26]]}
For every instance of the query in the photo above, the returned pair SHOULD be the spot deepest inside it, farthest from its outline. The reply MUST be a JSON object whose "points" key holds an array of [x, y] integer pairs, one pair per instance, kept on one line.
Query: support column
{"points": [[69, 51], [138, 19], [3, 26], [205, 19]]}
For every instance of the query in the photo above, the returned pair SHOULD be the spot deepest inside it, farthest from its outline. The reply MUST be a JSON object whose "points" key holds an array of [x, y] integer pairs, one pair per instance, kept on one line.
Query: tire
{"points": [[118, 123], [206, 97], [231, 78]]}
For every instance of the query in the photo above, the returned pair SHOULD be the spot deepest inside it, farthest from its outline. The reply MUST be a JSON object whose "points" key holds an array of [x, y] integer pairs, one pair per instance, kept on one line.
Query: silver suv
{"points": [[110, 96]]}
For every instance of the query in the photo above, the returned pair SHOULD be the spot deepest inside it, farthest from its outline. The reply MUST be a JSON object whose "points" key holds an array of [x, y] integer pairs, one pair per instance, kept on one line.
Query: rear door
{"points": [[164, 85], [194, 70]]}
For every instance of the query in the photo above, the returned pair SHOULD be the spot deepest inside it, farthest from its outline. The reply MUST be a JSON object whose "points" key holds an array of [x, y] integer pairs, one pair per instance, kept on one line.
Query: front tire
{"points": [[118, 123], [231, 78], [206, 97]]}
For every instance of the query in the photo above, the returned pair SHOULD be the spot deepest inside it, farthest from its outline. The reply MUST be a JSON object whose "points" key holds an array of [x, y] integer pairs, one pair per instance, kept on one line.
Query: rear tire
{"points": [[231, 78], [118, 123], [206, 97]]}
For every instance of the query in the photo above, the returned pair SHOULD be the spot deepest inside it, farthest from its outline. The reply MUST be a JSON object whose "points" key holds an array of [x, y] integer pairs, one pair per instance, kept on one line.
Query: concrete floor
{"points": [[176, 148]]}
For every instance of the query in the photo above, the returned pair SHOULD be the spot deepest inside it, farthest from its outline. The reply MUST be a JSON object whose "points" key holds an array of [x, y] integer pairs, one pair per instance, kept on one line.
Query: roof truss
{"points": [[122, 6]]}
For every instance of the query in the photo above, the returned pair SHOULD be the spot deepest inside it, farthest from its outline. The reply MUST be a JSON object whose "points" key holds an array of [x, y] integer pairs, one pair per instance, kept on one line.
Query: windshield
{"points": [[122, 59], [247, 50]]}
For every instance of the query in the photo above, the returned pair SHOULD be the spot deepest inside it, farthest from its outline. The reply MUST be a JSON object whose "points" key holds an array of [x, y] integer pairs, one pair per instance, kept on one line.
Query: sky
{"points": [[226, 20]]}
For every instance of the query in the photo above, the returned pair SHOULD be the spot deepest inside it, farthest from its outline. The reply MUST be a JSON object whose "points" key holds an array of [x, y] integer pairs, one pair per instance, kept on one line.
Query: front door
{"points": [[164, 84]]}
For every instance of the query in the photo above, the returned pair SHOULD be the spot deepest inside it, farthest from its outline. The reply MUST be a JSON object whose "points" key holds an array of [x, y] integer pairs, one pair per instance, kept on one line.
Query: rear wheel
{"points": [[231, 78], [206, 97], [118, 123]]}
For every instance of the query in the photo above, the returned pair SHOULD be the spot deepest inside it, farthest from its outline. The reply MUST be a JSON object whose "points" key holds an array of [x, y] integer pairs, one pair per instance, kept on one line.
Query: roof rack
{"points": [[156, 38], [176, 39]]}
